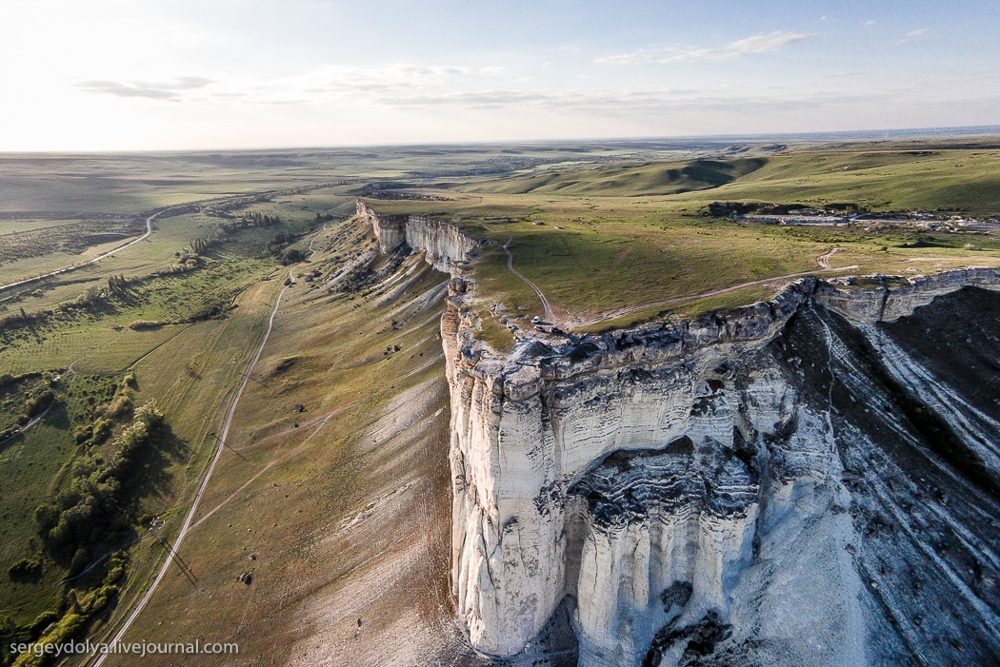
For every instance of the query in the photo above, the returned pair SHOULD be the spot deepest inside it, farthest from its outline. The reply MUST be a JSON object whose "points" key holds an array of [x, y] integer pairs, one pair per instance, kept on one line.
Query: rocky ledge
{"points": [[772, 485], [444, 246]]}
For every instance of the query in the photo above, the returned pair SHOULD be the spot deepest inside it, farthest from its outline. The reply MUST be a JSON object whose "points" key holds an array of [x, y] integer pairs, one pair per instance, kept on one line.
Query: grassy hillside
{"points": [[340, 511], [878, 178], [626, 180], [173, 321], [334, 496], [599, 240]]}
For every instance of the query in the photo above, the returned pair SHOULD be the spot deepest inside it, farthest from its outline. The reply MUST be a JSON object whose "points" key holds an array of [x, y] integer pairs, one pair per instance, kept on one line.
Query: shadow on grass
{"points": [[152, 464]]}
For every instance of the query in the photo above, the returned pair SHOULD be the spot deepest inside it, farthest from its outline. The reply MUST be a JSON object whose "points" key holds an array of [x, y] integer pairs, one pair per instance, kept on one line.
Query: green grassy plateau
{"points": [[599, 239], [332, 495]]}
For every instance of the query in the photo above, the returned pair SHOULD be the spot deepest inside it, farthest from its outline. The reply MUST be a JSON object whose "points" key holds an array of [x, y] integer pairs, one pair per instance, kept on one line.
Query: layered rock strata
{"points": [[713, 491], [809, 481], [444, 246]]}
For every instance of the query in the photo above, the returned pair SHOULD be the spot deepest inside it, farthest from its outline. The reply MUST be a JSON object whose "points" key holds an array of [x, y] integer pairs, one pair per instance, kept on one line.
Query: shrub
{"points": [[43, 620], [102, 429], [82, 433], [84, 513], [81, 558], [149, 415], [26, 568], [119, 406], [142, 325], [292, 256], [116, 568], [37, 404]]}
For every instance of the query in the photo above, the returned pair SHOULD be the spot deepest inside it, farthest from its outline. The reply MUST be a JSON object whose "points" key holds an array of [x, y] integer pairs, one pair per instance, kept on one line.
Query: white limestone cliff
{"points": [[691, 492], [613, 470], [444, 246], [887, 298]]}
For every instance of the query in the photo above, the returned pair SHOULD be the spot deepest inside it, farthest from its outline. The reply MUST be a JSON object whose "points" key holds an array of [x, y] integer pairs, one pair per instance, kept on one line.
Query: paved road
{"points": [[149, 230]]}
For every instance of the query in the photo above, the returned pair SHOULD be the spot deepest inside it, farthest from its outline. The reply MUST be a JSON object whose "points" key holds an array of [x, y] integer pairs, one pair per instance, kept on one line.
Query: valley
{"points": [[539, 404]]}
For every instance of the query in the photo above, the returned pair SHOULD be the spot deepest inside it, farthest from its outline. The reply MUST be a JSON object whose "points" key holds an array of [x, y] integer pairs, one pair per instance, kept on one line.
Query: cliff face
{"points": [[772, 486], [886, 299], [445, 247]]}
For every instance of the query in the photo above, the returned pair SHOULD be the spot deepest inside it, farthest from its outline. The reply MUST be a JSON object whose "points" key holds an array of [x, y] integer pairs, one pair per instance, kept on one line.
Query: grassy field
{"points": [[626, 180], [200, 313], [597, 239], [366, 366], [334, 496], [45, 186]]}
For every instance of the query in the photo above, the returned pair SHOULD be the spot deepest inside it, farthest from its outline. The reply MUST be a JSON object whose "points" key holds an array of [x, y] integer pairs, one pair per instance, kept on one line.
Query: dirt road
{"points": [[149, 230], [824, 260], [186, 526], [547, 315], [682, 299], [28, 425]]}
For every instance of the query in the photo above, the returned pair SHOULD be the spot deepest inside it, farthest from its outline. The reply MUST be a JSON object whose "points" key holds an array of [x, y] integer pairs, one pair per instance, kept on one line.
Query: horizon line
{"points": [[820, 135]]}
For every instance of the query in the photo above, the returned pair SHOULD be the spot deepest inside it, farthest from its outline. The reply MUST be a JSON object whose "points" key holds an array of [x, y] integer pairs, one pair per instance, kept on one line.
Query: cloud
{"points": [[636, 58], [598, 102], [740, 48], [396, 77], [913, 34], [170, 90], [319, 85], [348, 84]]}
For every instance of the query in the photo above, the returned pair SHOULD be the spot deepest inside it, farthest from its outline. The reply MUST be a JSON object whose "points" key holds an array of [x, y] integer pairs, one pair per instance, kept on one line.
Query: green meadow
{"points": [[599, 238], [347, 406]]}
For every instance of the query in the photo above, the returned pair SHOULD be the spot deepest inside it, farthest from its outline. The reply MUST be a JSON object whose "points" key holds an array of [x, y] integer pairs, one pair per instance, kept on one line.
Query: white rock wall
{"points": [[444, 246], [522, 434], [887, 303], [527, 428]]}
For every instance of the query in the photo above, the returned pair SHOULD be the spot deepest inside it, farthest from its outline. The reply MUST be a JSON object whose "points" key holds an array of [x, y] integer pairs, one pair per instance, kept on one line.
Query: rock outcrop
{"points": [[887, 298], [444, 246], [745, 488]]}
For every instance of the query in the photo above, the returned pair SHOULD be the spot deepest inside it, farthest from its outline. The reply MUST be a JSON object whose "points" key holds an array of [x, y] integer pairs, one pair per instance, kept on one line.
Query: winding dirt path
{"points": [[547, 315], [313, 240], [31, 423], [824, 260], [73, 267], [692, 297], [186, 526]]}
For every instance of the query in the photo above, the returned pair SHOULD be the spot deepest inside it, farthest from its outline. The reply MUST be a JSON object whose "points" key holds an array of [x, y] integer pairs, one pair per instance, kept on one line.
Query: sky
{"points": [[111, 75]]}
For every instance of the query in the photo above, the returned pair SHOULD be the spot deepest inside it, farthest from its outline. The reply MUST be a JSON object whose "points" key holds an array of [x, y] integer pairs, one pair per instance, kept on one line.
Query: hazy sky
{"points": [[109, 75]]}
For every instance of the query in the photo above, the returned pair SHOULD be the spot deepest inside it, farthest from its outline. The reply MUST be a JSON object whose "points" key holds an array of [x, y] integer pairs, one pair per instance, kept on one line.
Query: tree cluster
{"points": [[258, 219], [118, 284], [92, 506]]}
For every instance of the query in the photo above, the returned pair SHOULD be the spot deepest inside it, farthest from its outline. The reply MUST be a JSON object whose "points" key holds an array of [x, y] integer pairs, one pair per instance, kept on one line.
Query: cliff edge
{"points": [[812, 480], [444, 246], [744, 488]]}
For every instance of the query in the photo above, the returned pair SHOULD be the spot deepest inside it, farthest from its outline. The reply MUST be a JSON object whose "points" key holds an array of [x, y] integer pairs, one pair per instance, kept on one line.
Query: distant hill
{"points": [[629, 180]]}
